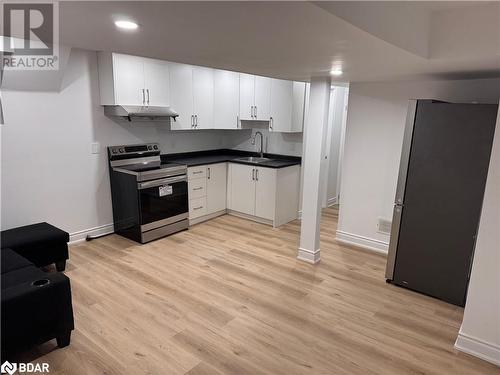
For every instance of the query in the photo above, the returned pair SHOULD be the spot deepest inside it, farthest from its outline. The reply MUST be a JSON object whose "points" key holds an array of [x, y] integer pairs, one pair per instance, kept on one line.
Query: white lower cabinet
{"points": [[216, 187], [206, 191], [266, 194]]}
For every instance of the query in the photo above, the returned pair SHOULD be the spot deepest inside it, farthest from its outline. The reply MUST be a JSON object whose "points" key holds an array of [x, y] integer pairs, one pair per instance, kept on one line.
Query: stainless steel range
{"points": [[150, 199]]}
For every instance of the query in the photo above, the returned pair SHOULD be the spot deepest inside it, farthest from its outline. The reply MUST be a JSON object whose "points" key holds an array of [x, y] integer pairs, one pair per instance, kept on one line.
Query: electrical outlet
{"points": [[96, 148]]}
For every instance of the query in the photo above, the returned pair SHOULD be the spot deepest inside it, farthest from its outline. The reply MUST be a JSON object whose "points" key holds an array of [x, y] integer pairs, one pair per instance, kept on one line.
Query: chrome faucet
{"points": [[261, 142]]}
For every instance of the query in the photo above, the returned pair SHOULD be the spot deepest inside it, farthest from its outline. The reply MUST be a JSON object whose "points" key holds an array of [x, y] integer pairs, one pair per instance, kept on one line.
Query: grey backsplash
{"points": [[274, 143]]}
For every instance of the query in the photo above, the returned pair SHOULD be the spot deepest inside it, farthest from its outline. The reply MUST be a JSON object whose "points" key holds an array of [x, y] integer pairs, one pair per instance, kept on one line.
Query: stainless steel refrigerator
{"points": [[442, 176]]}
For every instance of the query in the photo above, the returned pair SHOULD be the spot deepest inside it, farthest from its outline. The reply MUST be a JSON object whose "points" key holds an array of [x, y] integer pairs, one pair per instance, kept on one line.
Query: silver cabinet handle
{"points": [[208, 170], [197, 172], [251, 111], [197, 208], [271, 123], [256, 175], [147, 90], [198, 188], [255, 111], [143, 97], [192, 121], [195, 121], [253, 174]]}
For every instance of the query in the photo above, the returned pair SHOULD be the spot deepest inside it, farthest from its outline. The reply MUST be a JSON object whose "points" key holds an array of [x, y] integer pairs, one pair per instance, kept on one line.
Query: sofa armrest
{"points": [[32, 314]]}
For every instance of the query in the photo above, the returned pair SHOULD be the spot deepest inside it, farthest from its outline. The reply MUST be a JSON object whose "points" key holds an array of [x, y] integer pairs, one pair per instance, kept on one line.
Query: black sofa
{"points": [[36, 305]]}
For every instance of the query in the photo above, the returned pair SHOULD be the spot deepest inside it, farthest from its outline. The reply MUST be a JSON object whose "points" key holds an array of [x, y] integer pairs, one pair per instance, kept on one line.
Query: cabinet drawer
{"points": [[197, 188], [197, 172], [197, 207]]}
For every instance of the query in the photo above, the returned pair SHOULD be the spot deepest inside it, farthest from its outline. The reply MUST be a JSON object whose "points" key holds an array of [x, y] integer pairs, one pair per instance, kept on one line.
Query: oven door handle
{"points": [[164, 181]]}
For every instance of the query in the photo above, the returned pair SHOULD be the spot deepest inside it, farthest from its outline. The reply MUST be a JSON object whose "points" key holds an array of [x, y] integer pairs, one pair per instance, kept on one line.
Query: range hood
{"points": [[140, 113]]}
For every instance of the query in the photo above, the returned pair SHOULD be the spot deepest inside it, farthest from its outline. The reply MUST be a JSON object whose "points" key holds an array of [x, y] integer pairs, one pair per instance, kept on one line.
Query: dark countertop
{"points": [[192, 159]]}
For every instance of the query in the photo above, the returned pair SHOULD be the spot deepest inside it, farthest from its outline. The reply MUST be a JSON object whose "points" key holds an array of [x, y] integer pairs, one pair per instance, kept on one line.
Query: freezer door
{"points": [[393, 244], [448, 165], [405, 152]]}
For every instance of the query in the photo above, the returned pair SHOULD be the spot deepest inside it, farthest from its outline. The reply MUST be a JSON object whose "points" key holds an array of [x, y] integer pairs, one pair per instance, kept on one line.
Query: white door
{"points": [[299, 93], [265, 193], [247, 96], [181, 96], [262, 98], [157, 82], [242, 188], [281, 105], [128, 75], [216, 187], [203, 97], [226, 99]]}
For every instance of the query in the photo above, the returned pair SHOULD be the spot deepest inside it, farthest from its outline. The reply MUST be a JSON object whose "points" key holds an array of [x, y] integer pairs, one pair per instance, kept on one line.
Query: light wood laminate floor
{"points": [[229, 297]]}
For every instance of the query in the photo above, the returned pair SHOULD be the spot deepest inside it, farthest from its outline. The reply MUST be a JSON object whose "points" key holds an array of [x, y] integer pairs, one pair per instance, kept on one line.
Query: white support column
{"points": [[316, 124]]}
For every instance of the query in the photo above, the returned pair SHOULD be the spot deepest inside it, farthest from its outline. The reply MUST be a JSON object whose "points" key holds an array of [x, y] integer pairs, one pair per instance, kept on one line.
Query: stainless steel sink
{"points": [[253, 159]]}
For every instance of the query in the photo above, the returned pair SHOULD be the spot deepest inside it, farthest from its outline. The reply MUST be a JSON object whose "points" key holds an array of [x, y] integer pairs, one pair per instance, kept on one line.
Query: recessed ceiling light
{"points": [[336, 72], [127, 25]]}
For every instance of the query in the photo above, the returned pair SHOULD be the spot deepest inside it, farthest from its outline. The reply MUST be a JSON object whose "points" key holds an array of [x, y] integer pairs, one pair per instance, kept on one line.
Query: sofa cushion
{"points": [[12, 261], [21, 276], [32, 236]]}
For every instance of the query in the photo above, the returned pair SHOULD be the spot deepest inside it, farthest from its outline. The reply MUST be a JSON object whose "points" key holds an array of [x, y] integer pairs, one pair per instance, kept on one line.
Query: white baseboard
{"points": [[81, 235], [378, 246], [478, 348], [309, 256], [331, 201]]}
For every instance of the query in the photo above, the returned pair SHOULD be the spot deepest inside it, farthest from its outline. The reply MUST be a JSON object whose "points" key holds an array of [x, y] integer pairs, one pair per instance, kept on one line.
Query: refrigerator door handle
{"points": [[393, 244]]}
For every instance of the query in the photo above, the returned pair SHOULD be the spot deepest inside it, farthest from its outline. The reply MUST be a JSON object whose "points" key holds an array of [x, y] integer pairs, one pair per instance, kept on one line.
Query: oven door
{"points": [[163, 201]]}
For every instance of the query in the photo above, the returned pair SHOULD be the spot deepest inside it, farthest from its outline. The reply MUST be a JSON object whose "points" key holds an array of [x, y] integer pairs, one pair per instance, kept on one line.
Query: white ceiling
{"points": [[296, 40]]}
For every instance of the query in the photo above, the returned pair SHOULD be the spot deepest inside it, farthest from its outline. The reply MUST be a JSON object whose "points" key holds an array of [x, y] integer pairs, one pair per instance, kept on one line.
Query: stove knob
{"points": [[122, 150], [114, 151], [156, 147], [150, 147]]}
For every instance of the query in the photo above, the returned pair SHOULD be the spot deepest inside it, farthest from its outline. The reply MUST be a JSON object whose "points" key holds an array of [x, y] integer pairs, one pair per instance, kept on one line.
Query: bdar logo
{"points": [[8, 367]]}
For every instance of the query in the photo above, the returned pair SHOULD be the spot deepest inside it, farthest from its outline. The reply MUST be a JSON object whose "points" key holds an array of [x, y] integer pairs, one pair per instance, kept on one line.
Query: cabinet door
{"points": [[157, 82], [216, 187], [265, 193], [299, 93], [281, 105], [262, 98], [203, 97], [226, 99], [128, 75], [242, 189], [247, 96], [181, 98]]}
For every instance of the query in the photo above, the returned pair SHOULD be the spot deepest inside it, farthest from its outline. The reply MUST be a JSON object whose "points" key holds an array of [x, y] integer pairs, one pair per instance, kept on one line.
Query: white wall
{"points": [[480, 331], [375, 125], [48, 172]]}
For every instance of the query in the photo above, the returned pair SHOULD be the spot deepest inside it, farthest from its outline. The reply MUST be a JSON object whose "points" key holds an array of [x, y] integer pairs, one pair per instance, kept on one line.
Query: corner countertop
{"points": [[192, 159]]}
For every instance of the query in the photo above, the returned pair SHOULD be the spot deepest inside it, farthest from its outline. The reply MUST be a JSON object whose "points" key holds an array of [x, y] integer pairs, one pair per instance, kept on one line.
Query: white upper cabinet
{"points": [[157, 82], [255, 97], [133, 80], [287, 106], [281, 105], [247, 96], [128, 74], [262, 98], [181, 89], [226, 99], [299, 105], [192, 96], [203, 97]]}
